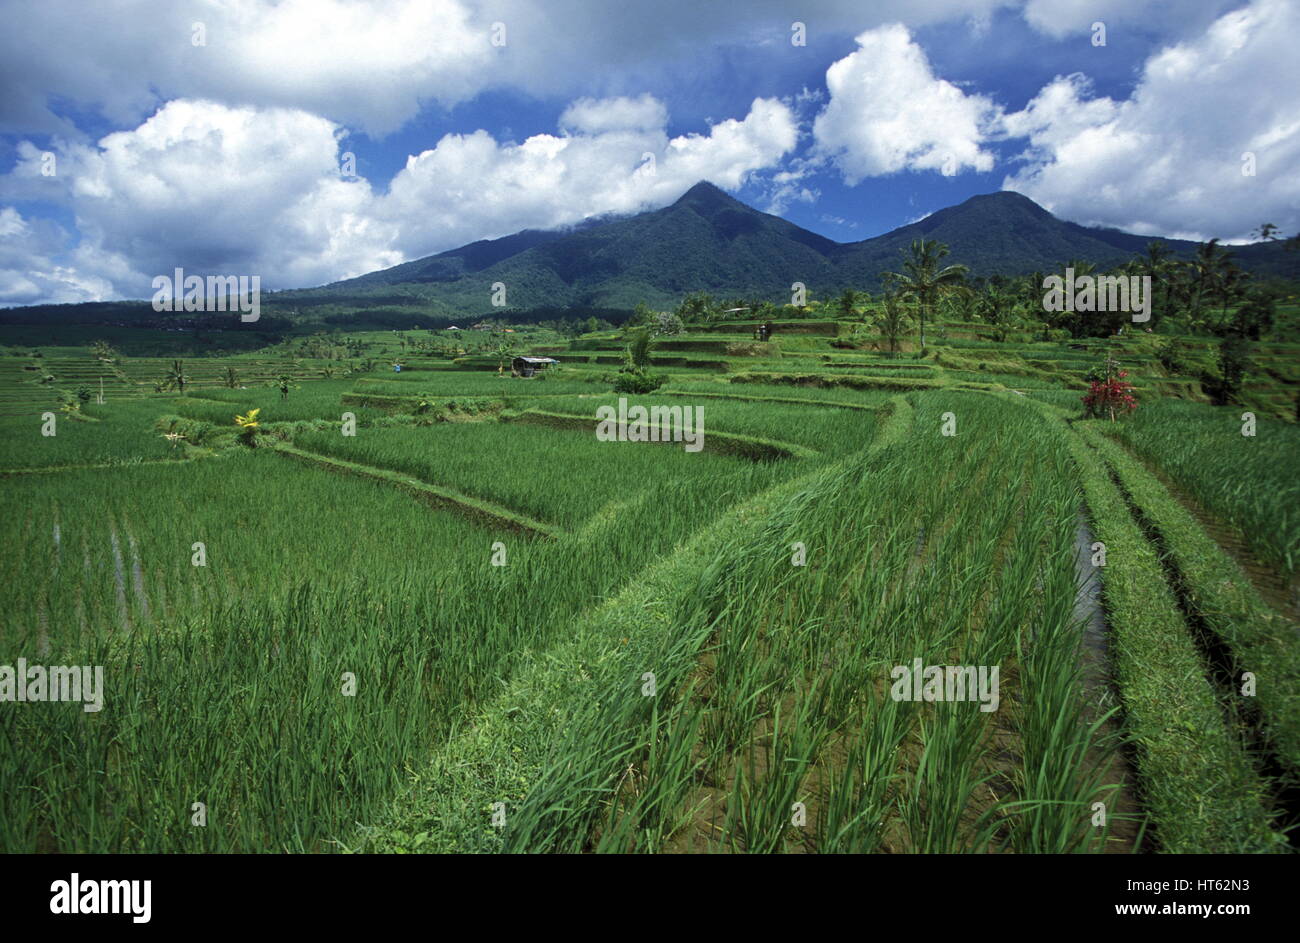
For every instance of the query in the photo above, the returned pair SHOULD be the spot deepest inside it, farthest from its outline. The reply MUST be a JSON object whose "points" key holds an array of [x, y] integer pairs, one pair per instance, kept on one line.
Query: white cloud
{"points": [[216, 189], [889, 112], [29, 272], [595, 116], [1168, 160], [1061, 18], [367, 64], [472, 186], [212, 188], [370, 64]]}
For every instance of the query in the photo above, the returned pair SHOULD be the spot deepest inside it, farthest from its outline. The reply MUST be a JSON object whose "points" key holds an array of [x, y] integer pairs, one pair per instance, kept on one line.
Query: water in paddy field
{"points": [[1100, 695]]}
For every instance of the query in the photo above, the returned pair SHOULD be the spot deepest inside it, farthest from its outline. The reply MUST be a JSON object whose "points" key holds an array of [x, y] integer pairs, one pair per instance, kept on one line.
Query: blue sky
{"points": [[137, 137]]}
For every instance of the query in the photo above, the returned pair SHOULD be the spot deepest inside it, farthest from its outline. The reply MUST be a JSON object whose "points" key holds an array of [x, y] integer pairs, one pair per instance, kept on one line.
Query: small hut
{"points": [[528, 366]]}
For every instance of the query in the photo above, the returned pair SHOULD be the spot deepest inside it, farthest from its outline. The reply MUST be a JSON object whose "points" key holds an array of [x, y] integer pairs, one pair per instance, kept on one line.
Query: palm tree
{"points": [[176, 376], [504, 352], [1205, 272], [922, 278], [891, 321], [1230, 284], [847, 301], [1158, 266], [1081, 267], [997, 307]]}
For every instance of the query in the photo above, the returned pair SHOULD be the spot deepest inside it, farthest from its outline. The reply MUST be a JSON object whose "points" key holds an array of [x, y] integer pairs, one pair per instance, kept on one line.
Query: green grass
{"points": [[831, 430], [118, 433], [1248, 481], [1197, 782], [233, 694], [1260, 640], [584, 760], [471, 383], [555, 476], [373, 555], [316, 400]]}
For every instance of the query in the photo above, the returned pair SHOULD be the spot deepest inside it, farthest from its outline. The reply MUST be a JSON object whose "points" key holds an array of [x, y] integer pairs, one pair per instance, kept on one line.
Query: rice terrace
{"points": [[677, 527]]}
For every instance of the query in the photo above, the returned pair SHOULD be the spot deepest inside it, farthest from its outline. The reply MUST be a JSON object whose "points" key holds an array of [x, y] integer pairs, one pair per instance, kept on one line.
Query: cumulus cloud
{"points": [[594, 116], [216, 189], [889, 112], [228, 154], [212, 188], [29, 272], [367, 64], [1061, 18], [1169, 159], [371, 64], [612, 156]]}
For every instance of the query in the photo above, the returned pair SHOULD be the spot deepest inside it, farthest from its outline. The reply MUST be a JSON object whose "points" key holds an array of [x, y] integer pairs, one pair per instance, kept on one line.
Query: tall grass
{"points": [[225, 683], [559, 477], [118, 433], [773, 679], [1249, 481]]}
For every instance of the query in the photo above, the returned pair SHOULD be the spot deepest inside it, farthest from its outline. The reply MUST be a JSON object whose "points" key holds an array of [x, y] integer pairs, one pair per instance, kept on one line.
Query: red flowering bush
{"points": [[1109, 394]]}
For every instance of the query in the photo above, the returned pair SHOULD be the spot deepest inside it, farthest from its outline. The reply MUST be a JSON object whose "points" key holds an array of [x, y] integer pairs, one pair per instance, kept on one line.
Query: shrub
{"points": [[638, 350], [1170, 355], [1234, 363], [1106, 398], [667, 323], [637, 381]]}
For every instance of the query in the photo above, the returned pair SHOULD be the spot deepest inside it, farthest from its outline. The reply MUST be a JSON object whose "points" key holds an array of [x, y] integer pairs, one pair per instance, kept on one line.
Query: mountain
{"points": [[706, 241], [710, 241]]}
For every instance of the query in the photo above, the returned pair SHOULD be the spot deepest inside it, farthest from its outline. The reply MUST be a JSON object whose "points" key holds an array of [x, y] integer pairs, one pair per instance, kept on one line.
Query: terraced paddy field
{"points": [[859, 619]]}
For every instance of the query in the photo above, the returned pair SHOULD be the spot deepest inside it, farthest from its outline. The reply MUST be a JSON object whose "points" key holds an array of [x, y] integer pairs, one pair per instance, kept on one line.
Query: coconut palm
{"points": [[923, 279], [1205, 271], [175, 377], [892, 321], [1158, 265], [504, 352], [999, 308]]}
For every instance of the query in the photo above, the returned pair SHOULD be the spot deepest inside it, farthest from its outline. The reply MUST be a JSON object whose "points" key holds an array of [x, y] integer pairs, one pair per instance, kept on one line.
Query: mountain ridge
{"points": [[709, 240], [706, 240]]}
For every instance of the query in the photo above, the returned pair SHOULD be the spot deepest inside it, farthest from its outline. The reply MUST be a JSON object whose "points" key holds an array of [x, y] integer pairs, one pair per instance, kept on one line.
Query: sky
{"points": [[307, 141]]}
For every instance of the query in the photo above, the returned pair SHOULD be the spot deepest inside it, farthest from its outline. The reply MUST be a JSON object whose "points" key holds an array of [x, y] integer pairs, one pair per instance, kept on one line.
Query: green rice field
{"points": [[464, 622]]}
